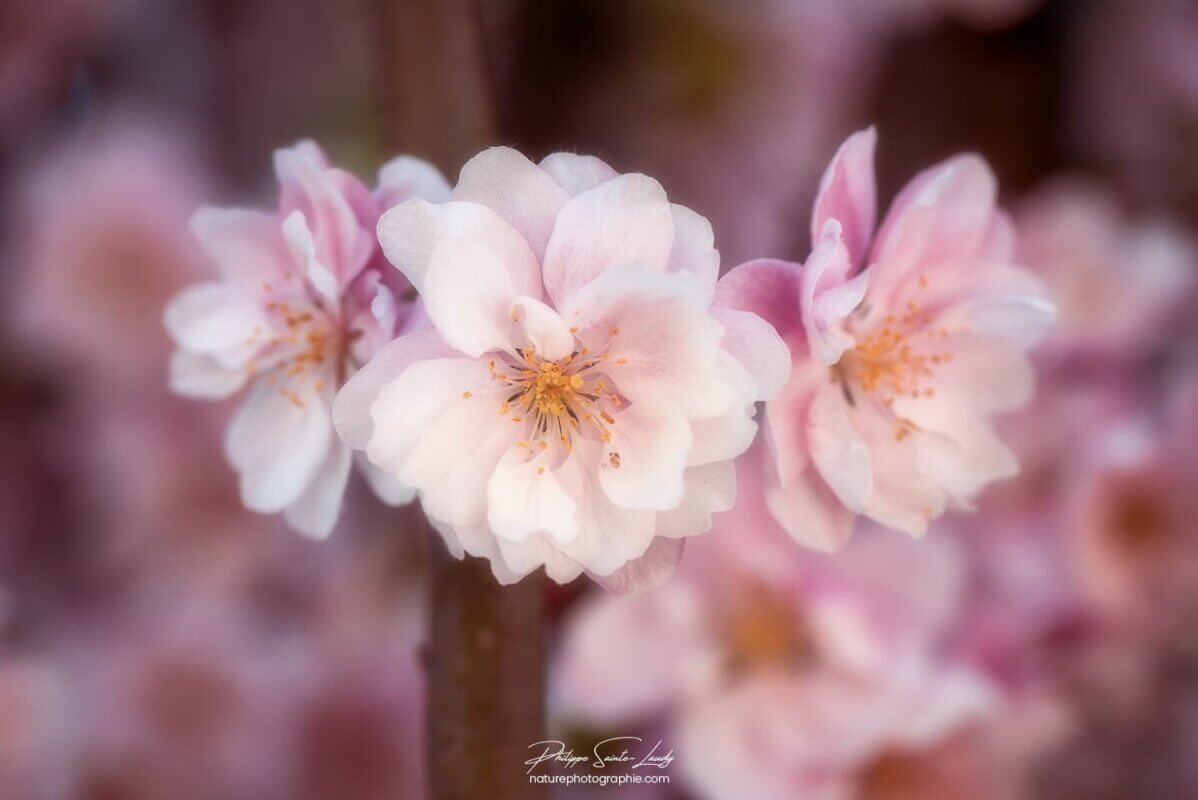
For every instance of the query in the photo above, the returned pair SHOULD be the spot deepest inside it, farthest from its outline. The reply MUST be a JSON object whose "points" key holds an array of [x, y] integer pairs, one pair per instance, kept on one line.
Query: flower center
{"points": [[893, 360], [560, 399], [765, 630], [301, 350]]}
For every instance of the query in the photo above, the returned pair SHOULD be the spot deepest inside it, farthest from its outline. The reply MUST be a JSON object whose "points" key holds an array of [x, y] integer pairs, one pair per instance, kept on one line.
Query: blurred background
{"points": [[158, 641]]}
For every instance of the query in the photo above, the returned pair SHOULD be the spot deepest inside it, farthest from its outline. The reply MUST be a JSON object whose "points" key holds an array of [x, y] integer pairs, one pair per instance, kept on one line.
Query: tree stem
{"points": [[485, 655], [486, 680]]}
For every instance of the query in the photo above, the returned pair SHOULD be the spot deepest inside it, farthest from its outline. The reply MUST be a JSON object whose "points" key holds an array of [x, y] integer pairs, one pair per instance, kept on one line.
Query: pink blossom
{"points": [[579, 400], [780, 676], [100, 244], [902, 352], [1115, 283], [1129, 518], [300, 303]]}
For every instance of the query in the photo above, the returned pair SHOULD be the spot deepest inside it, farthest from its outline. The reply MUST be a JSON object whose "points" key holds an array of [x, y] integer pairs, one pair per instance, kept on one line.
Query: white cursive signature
{"points": [[603, 753]]}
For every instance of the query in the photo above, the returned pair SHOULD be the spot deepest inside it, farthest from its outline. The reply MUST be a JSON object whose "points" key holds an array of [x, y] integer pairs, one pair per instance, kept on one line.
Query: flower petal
{"points": [[576, 174], [642, 466], [543, 328], [404, 177], [847, 193], [351, 409], [709, 489], [837, 450], [468, 264], [727, 436], [626, 221], [453, 454], [246, 246], [277, 445], [327, 198], [608, 536], [766, 287], [648, 572], [660, 341], [194, 375], [524, 497], [756, 345], [518, 190], [212, 318], [386, 487], [944, 213], [535, 552], [315, 512], [693, 252], [808, 510], [303, 248], [826, 296]]}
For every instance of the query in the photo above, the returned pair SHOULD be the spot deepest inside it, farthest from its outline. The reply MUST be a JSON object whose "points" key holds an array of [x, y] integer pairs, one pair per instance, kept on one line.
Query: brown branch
{"points": [[486, 680], [485, 654]]}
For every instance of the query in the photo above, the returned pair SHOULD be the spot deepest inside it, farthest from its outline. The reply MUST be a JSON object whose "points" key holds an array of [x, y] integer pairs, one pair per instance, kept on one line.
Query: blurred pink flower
{"points": [[1130, 518], [100, 245], [302, 301], [1115, 283], [579, 398], [901, 357], [794, 676]]}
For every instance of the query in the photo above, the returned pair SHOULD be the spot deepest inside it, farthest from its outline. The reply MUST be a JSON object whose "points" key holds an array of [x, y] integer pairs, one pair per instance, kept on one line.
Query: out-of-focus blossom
{"points": [[101, 244], [301, 302], [193, 697], [902, 353], [1116, 284], [1131, 517], [803, 676], [579, 401]]}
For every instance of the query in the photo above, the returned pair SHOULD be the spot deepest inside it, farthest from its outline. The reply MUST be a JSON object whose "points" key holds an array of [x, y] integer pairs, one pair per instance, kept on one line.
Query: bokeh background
{"points": [[158, 641]]}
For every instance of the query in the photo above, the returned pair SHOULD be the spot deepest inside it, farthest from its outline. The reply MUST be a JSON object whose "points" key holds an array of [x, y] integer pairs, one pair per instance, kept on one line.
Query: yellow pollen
{"points": [[466, 395], [558, 397]]}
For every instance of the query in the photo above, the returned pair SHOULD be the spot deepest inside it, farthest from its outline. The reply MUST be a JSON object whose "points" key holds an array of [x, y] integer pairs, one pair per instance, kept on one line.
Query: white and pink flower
{"points": [[902, 351], [579, 400], [779, 673], [301, 302]]}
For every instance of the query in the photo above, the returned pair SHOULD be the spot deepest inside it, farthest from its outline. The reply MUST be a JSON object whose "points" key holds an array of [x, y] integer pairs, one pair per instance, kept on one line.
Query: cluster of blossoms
{"points": [[575, 382], [303, 300]]}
